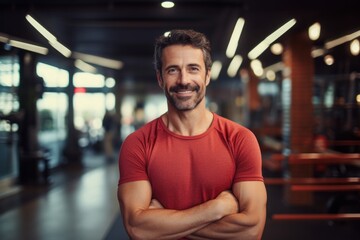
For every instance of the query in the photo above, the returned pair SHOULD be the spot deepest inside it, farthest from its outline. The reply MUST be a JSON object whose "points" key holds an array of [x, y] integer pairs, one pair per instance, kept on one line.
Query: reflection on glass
{"points": [[83, 79], [110, 101], [53, 76], [52, 110], [89, 109], [9, 72]]}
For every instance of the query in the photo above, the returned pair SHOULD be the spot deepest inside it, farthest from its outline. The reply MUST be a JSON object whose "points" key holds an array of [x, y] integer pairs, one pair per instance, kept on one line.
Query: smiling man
{"points": [[190, 174]]}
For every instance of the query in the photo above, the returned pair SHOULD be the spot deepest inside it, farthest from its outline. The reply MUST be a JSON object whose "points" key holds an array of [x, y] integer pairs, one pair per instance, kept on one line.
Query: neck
{"points": [[188, 123]]}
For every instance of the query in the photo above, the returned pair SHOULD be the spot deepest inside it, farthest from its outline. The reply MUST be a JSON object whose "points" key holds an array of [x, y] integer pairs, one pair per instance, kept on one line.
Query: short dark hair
{"points": [[182, 37]]}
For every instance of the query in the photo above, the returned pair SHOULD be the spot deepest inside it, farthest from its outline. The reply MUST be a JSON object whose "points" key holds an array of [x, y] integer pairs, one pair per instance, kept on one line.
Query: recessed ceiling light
{"points": [[329, 60], [314, 31], [276, 48], [167, 4], [355, 47]]}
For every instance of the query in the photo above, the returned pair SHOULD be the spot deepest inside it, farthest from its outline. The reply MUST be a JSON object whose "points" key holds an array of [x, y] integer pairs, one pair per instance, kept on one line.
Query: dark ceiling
{"points": [[125, 30]]}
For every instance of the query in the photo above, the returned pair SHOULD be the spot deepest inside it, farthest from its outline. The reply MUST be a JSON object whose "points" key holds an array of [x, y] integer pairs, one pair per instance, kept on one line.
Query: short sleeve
{"points": [[132, 159], [247, 157]]}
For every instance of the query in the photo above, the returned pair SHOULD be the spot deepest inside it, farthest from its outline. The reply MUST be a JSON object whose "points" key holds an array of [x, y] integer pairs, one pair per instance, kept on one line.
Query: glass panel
{"points": [[82, 79], [52, 109], [8, 102], [89, 109], [110, 101], [9, 71], [53, 76], [9, 116]]}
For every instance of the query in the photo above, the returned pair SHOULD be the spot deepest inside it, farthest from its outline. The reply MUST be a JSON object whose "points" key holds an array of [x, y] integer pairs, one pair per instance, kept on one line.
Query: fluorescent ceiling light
{"points": [[276, 67], [215, 70], [40, 29], [105, 62], [262, 46], [101, 61], [234, 39], [83, 66], [257, 68], [50, 37], [61, 48], [4, 38], [17, 43], [341, 40], [29, 47], [234, 66], [317, 52]]}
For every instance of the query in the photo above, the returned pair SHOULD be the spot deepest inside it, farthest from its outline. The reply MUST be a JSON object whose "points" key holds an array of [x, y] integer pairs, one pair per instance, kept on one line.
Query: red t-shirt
{"points": [[185, 171]]}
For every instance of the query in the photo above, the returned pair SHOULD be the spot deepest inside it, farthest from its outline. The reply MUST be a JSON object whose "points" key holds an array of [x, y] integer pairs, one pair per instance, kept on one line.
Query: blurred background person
{"points": [[110, 126]]}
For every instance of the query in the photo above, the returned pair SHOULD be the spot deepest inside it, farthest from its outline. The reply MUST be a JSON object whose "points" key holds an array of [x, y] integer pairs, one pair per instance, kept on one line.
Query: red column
{"points": [[298, 118]]}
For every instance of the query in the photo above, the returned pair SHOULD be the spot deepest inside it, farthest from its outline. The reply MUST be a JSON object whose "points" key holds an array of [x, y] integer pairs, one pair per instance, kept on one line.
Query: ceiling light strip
{"points": [[263, 45], [61, 48], [4, 38], [50, 37], [83, 66], [341, 40], [234, 66], [215, 70], [234, 39], [29, 47], [101, 61]]}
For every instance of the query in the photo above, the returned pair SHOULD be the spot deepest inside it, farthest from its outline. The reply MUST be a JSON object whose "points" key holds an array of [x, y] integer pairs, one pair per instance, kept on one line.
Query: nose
{"points": [[184, 77]]}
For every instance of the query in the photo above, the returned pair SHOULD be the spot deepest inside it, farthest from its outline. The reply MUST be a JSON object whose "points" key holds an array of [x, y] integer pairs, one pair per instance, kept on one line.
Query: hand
{"points": [[155, 204], [229, 202]]}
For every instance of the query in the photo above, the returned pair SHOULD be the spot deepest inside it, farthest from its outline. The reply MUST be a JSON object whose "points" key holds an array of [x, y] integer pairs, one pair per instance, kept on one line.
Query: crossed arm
{"points": [[237, 215]]}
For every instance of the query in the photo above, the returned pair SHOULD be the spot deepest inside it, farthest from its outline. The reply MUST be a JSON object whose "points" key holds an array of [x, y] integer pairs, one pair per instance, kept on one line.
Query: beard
{"points": [[185, 103]]}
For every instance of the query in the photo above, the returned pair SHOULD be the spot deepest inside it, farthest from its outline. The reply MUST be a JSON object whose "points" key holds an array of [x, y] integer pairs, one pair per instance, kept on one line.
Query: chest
{"points": [[199, 168]]}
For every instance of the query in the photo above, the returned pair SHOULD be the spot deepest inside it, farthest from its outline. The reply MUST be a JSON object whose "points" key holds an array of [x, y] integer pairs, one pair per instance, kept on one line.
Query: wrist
{"points": [[219, 209]]}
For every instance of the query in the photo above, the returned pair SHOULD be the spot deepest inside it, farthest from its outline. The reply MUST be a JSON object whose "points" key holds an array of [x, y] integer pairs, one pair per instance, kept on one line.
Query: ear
{"points": [[207, 77], [159, 79]]}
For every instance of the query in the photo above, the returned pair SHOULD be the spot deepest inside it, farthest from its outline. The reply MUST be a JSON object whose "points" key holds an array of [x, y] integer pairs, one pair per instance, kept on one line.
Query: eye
{"points": [[172, 70], [194, 69]]}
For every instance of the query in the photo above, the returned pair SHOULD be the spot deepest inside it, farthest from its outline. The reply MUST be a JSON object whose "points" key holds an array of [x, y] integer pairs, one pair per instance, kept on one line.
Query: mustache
{"points": [[182, 87]]}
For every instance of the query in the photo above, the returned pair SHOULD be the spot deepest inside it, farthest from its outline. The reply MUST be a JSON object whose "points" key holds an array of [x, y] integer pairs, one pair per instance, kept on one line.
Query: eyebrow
{"points": [[171, 66], [188, 65], [194, 65]]}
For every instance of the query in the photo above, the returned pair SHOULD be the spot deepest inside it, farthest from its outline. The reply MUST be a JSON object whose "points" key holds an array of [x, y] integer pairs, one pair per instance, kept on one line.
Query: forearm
{"points": [[248, 223], [235, 226], [159, 223]]}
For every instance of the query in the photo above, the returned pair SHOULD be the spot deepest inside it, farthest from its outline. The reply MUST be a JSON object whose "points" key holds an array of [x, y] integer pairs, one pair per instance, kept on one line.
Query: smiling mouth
{"points": [[184, 92], [184, 89]]}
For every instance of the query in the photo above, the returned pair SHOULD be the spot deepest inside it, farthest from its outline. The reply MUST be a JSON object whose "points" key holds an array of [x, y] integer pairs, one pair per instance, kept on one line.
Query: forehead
{"points": [[176, 54]]}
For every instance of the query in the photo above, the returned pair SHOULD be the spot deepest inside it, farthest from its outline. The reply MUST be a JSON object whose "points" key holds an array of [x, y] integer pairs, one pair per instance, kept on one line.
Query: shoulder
{"points": [[234, 134], [229, 127]]}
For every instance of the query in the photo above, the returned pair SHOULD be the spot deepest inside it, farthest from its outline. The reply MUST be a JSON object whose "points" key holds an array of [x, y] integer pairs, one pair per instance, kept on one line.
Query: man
{"points": [[190, 174]]}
